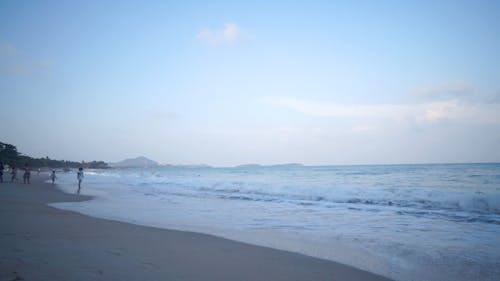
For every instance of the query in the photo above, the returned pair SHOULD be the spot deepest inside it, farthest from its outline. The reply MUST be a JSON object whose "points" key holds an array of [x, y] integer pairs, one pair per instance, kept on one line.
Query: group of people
{"points": [[13, 173], [27, 174]]}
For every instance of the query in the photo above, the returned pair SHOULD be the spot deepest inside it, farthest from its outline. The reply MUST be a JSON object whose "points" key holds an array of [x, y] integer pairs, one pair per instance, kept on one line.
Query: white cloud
{"points": [[457, 90], [364, 129], [419, 114], [230, 34], [445, 90]]}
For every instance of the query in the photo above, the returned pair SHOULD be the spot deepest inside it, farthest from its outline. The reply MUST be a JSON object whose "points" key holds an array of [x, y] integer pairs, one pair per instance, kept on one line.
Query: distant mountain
{"points": [[138, 162]]}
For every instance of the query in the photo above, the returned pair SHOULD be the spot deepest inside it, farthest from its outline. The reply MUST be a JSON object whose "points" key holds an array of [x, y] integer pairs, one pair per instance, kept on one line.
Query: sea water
{"points": [[407, 222]]}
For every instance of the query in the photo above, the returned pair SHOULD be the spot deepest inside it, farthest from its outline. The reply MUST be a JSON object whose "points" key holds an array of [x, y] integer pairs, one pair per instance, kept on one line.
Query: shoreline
{"points": [[39, 242]]}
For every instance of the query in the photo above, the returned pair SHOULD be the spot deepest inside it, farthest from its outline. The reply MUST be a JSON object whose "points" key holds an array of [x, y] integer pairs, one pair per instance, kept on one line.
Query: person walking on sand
{"points": [[79, 176], [53, 176], [27, 174], [13, 172], [1, 171]]}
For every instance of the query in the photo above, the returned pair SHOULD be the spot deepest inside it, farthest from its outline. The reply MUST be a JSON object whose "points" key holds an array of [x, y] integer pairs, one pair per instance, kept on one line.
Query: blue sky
{"points": [[225, 83]]}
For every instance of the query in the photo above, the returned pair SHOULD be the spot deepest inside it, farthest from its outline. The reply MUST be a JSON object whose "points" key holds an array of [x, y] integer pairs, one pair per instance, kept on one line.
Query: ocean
{"points": [[407, 222]]}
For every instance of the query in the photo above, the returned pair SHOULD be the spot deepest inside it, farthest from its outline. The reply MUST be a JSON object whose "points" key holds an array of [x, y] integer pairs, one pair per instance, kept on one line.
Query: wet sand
{"points": [[39, 242]]}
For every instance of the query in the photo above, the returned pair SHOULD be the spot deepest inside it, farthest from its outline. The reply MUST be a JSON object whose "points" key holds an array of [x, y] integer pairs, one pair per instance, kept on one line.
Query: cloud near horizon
{"points": [[370, 116], [229, 35]]}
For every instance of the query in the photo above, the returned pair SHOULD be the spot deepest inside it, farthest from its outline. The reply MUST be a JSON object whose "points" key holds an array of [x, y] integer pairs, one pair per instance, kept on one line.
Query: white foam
{"points": [[407, 223]]}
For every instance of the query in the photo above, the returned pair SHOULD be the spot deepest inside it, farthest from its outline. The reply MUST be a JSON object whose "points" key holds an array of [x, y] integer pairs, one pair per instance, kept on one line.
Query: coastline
{"points": [[39, 242]]}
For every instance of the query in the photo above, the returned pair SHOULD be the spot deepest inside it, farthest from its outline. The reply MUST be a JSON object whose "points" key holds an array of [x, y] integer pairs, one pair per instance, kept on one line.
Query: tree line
{"points": [[10, 156]]}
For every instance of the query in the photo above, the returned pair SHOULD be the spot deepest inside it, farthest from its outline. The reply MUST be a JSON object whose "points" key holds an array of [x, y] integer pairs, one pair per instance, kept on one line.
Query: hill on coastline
{"points": [[138, 162]]}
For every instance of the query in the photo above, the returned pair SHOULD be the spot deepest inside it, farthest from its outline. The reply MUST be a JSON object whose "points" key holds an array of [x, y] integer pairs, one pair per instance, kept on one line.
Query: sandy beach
{"points": [[38, 242]]}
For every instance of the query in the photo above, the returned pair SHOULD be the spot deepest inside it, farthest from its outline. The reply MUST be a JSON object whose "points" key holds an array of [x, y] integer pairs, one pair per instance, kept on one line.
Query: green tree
{"points": [[8, 153]]}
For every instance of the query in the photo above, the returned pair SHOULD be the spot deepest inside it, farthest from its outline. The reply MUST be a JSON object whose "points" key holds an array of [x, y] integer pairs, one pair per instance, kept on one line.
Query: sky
{"points": [[228, 82]]}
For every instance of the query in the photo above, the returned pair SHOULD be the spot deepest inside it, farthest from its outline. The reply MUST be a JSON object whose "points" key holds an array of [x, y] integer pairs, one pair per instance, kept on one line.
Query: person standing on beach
{"points": [[79, 176], [27, 174], [1, 171], [13, 173], [53, 176]]}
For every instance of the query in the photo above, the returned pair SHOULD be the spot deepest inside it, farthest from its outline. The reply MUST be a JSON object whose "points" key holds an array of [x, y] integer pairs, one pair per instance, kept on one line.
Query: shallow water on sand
{"points": [[408, 222]]}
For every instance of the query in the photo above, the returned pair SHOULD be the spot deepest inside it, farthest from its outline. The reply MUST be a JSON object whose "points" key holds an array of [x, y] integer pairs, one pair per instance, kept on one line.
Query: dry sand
{"points": [[38, 242]]}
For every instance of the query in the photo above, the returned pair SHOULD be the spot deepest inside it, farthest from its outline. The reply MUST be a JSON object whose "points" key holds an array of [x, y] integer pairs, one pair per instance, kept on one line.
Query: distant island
{"points": [[10, 156], [138, 162], [144, 162]]}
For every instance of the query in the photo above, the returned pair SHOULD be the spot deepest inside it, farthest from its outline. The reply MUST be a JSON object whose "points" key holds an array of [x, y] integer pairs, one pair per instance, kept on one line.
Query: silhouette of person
{"points": [[13, 172], [1, 171], [53, 176], [79, 176], [27, 174]]}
